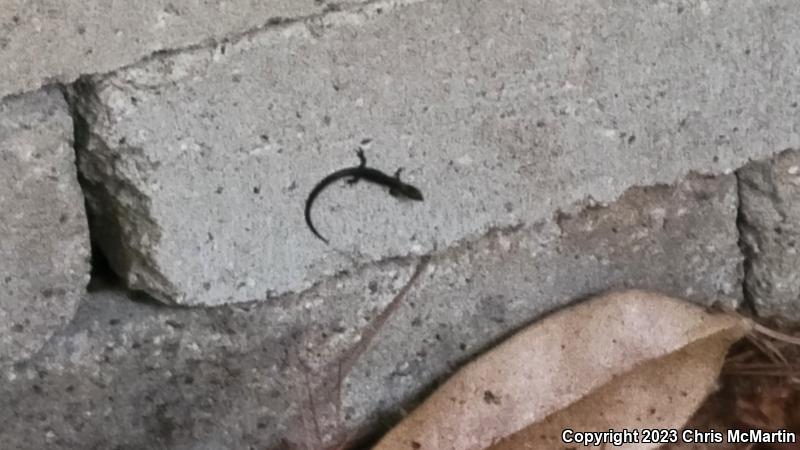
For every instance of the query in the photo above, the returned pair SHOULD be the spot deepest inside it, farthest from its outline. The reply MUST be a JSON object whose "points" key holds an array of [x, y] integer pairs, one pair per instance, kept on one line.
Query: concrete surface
{"points": [[44, 41], [344, 358], [770, 227], [44, 237], [501, 112], [525, 124]]}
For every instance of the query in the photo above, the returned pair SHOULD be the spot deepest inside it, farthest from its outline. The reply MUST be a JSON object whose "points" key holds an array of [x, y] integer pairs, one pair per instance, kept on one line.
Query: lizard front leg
{"points": [[362, 163]]}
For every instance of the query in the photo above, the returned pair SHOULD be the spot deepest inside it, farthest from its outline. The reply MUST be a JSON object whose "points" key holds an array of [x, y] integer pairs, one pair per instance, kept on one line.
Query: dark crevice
{"points": [[748, 302], [101, 274]]}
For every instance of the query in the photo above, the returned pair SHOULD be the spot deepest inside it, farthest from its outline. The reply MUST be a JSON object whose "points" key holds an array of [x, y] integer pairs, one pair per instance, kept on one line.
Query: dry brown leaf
{"points": [[631, 359], [658, 394]]}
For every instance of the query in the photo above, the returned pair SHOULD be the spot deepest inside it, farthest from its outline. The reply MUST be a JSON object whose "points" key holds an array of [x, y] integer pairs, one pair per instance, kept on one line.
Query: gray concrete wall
{"points": [[562, 149], [499, 115]]}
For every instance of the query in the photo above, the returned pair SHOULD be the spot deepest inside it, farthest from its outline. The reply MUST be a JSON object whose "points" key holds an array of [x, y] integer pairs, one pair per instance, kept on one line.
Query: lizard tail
{"points": [[312, 228]]}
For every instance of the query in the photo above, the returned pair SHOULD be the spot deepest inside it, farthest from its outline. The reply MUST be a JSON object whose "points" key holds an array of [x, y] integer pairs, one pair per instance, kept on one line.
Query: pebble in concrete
{"points": [[44, 241]]}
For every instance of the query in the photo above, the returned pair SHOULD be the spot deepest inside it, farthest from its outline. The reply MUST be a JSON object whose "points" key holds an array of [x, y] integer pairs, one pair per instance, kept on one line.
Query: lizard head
{"points": [[409, 191]]}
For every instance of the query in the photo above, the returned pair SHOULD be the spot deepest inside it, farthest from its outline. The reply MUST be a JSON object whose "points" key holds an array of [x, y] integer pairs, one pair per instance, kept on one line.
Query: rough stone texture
{"points": [[346, 357], [770, 228], [42, 41], [44, 237], [502, 112]]}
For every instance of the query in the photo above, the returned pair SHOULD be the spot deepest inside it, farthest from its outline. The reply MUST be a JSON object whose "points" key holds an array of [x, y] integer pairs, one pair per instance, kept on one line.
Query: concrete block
{"points": [[770, 228], [501, 113], [344, 358], [44, 239], [42, 42]]}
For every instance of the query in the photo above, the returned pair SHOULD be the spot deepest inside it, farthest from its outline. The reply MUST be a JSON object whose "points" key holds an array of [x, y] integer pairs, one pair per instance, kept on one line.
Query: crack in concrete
{"points": [[745, 248], [369, 8], [314, 24]]}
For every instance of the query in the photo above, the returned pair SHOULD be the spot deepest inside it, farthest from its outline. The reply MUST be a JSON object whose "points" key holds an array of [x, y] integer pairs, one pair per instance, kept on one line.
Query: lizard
{"points": [[361, 172]]}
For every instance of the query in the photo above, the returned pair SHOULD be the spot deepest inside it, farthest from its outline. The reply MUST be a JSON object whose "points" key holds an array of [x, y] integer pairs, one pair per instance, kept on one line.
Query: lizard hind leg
{"points": [[394, 191]]}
